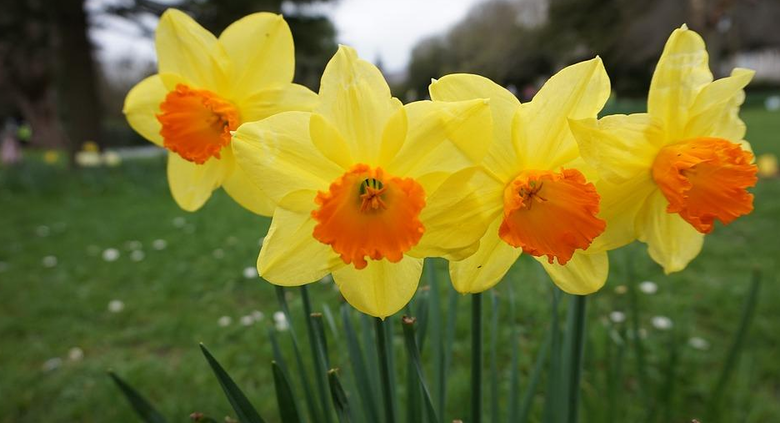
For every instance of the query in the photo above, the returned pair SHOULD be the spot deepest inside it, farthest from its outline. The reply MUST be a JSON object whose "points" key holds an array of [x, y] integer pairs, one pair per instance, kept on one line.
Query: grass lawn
{"points": [[174, 297]]}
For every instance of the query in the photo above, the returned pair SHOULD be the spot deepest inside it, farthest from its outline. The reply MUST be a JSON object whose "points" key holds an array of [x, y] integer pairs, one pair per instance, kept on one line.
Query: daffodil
{"points": [[535, 187], [205, 88], [679, 167], [365, 187]]}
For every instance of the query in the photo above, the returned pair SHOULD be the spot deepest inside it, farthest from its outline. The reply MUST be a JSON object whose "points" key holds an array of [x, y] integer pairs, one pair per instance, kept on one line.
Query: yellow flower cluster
{"points": [[364, 187]]}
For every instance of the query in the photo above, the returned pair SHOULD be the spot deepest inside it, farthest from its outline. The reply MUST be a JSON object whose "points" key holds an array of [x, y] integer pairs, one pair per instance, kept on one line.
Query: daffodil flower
{"points": [[366, 188], [534, 185], [205, 88], [673, 171]]}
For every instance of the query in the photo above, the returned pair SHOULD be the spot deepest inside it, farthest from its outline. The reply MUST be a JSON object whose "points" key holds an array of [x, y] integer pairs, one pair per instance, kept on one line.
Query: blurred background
{"points": [[99, 269]]}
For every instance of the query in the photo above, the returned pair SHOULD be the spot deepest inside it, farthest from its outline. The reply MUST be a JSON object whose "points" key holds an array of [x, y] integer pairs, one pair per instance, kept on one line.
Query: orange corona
{"points": [[367, 212], [551, 213], [196, 124], [706, 179]]}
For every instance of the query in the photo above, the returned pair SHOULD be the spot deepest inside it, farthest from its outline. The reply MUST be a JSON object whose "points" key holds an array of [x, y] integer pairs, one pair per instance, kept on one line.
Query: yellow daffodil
{"points": [[365, 187], [205, 88], [533, 184], [676, 169]]}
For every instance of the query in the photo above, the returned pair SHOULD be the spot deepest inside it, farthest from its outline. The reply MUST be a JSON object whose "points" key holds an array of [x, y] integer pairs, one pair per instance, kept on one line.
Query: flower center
{"points": [[551, 213], [367, 212], [196, 124], [706, 179]]}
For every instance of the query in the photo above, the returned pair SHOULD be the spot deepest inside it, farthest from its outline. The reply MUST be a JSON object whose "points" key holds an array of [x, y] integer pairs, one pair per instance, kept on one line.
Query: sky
{"points": [[377, 29]]}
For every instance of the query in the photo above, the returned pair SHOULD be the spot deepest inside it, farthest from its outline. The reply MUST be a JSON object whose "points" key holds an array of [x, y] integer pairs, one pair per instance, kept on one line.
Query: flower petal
{"points": [[671, 241], [620, 205], [715, 113], [487, 266], [192, 184], [540, 128], [329, 141], [501, 157], [443, 137], [356, 100], [456, 215], [283, 98], [290, 256], [382, 288], [248, 195], [583, 274], [187, 49], [682, 72], [278, 155], [142, 105], [620, 147], [260, 47]]}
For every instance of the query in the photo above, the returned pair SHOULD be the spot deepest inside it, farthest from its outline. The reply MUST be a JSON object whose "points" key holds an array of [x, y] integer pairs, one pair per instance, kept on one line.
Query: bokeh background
{"points": [[100, 270]]}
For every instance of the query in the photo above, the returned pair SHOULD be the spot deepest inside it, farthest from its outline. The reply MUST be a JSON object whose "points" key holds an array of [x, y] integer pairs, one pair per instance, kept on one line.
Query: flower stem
{"points": [[384, 369], [476, 358], [577, 344]]}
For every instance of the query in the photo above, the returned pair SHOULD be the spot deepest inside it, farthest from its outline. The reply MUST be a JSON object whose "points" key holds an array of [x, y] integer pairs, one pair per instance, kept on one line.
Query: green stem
{"points": [[321, 377], [577, 345], [384, 369], [476, 358]]}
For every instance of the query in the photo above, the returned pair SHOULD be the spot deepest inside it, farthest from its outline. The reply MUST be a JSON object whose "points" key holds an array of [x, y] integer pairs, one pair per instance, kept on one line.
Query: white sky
{"points": [[386, 29]]}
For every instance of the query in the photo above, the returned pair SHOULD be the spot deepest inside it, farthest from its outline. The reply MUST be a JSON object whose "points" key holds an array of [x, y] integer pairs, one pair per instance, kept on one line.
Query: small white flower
{"points": [[280, 321], [159, 244], [772, 103], [327, 278], [116, 306], [250, 272], [247, 320], [260, 241], [49, 261], [617, 317], [3, 266], [133, 245], [662, 322], [75, 354], [51, 364], [110, 254], [648, 287], [224, 321], [137, 255], [258, 315], [621, 289], [218, 253], [179, 222], [699, 343], [42, 231]]}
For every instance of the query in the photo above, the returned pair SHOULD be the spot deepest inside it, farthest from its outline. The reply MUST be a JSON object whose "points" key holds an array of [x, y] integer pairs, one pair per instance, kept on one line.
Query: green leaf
{"points": [[414, 357], [494, 412], [320, 366], [321, 359], [244, 410], [359, 369], [331, 321], [533, 382], [555, 387], [142, 407], [339, 396], [288, 409]]}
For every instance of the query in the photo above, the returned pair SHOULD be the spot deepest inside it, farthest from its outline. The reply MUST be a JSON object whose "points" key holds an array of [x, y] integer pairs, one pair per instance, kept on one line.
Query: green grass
{"points": [[174, 297]]}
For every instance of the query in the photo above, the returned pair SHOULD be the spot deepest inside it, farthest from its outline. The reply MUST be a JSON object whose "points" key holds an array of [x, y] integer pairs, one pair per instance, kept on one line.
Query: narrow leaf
{"points": [[414, 357], [359, 369], [244, 410], [288, 409], [142, 407], [339, 397]]}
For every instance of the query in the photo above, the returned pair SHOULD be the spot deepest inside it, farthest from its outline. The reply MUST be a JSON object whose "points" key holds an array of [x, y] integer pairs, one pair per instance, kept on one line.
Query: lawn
{"points": [[58, 335]]}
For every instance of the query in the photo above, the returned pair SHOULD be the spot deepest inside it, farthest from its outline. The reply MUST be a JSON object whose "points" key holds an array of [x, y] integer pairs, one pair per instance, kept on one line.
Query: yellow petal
{"points": [[620, 147], [501, 157], [187, 49], [619, 206], [682, 72], [671, 241], [248, 195], [192, 184], [142, 105], [457, 213], [487, 266], [283, 98], [355, 99], [540, 128], [278, 155], [583, 274], [260, 47], [329, 141], [382, 288], [443, 137], [715, 113], [290, 255], [393, 135]]}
